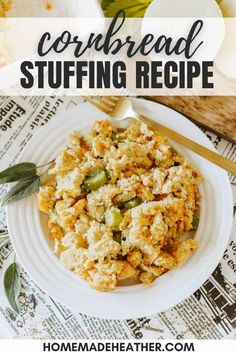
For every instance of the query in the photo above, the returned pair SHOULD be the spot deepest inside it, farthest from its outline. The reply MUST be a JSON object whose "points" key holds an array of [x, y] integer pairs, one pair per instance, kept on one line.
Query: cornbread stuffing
{"points": [[5, 5], [119, 204]]}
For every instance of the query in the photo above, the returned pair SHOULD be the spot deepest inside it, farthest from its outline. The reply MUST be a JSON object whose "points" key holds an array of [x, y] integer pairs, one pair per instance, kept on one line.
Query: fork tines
{"points": [[104, 103]]}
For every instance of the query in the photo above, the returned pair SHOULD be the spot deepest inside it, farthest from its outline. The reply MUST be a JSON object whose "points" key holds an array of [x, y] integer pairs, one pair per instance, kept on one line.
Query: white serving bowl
{"points": [[29, 235]]}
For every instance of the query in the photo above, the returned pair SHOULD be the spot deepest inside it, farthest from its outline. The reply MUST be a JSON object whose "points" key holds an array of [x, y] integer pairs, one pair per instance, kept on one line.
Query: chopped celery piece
{"points": [[132, 203], [113, 217], [115, 138], [117, 236], [108, 175], [195, 223], [95, 171], [95, 179]]}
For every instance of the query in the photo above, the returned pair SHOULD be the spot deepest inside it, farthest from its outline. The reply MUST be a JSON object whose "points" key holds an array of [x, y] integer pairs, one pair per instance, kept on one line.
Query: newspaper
{"points": [[210, 313]]}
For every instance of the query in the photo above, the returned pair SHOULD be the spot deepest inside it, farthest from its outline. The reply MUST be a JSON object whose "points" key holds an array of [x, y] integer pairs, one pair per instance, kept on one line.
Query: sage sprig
{"points": [[17, 172], [132, 8], [22, 189], [12, 285], [28, 182], [28, 179]]}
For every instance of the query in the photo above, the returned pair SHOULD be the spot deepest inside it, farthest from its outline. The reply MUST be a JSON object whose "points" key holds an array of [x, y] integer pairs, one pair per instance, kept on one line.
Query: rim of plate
{"points": [[28, 236]]}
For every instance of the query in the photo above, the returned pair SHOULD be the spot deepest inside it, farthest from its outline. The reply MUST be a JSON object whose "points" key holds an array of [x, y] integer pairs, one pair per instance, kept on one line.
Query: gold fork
{"points": [[121, 108]]}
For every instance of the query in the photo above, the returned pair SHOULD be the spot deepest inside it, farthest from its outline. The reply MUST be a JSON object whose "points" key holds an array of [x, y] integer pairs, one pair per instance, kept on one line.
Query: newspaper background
{"points": [[210, 313]]}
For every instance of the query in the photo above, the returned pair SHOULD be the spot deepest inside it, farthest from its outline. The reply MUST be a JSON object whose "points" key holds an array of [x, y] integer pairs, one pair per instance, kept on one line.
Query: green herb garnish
{"points": [[25, 174], [22, 189], [132, 8], [12, 285], [18, 172]]}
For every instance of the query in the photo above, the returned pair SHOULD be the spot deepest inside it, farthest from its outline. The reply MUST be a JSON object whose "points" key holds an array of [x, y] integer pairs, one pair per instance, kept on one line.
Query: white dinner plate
{"points": [[29, 234]]}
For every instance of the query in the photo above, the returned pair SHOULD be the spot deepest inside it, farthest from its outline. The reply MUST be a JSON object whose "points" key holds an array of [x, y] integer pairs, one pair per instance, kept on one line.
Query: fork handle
{"points": [[210, 155]]}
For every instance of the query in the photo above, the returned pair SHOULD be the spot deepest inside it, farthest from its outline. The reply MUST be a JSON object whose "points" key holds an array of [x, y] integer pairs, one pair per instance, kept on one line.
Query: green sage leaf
{"points": [[18, 172], [132, 8], [12, 285], [105, 3], [22, 189]]}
